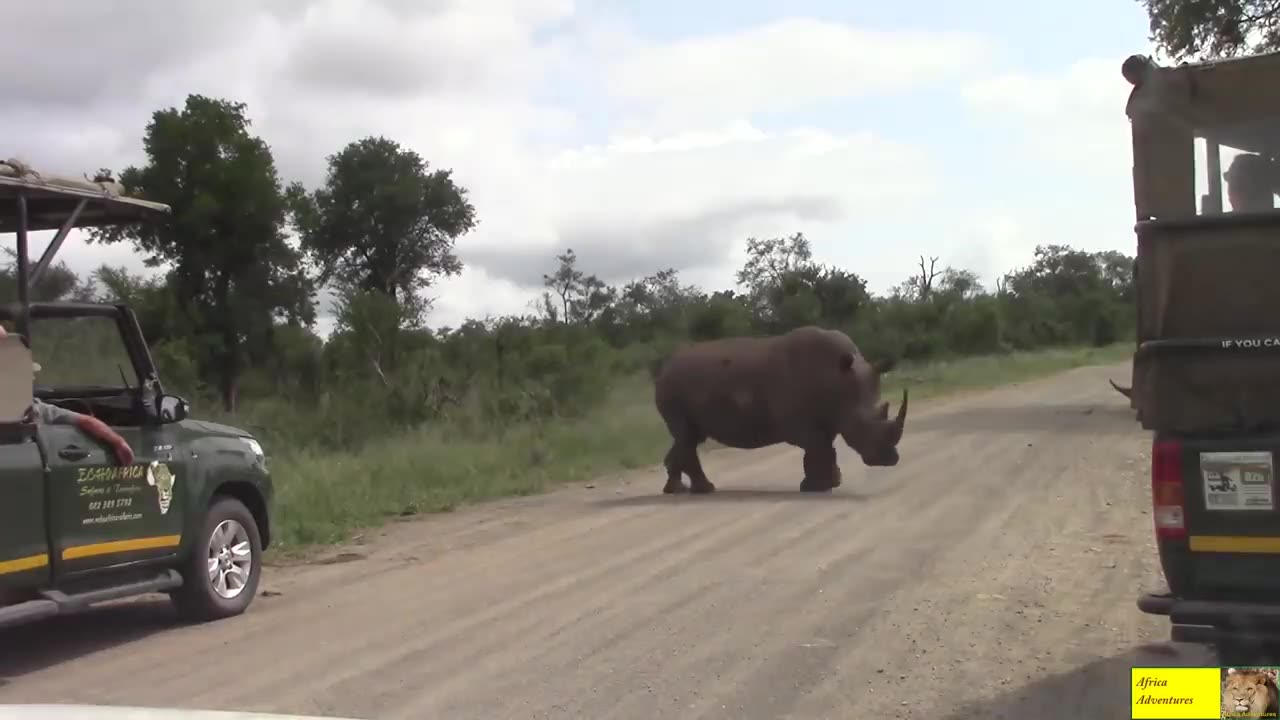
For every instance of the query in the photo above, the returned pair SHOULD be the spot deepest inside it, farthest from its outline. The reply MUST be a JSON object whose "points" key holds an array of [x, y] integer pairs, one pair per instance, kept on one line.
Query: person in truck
{"points": [[47, 414], [1252, 183]]}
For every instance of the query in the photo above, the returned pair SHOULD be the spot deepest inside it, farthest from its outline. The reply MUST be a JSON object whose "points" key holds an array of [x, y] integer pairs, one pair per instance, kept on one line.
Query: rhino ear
{"points": [[846, 361], [884, 366]]}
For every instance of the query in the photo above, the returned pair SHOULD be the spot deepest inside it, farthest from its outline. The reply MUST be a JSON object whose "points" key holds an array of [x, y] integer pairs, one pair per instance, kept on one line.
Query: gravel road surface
{"points": [[992, 574]]}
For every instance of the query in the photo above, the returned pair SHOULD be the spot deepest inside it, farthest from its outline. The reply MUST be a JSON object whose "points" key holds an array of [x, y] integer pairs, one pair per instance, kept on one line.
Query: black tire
{"points": [[198, 600]]}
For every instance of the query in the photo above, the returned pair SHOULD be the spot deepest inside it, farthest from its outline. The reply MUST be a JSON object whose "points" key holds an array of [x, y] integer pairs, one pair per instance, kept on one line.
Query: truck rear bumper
{"points": [[1215, 621]]}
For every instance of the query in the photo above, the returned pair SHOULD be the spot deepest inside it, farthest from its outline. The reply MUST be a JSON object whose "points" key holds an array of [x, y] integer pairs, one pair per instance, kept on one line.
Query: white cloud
{"points": [[477, 86], [786, 64], [1087, 85], [1067, 146], [990, 244], [640, 204], [361, 48], [1075, 116]]}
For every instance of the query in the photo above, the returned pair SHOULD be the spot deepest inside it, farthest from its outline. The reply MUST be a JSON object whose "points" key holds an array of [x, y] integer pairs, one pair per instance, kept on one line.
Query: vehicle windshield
{"points": [[81, 352]]}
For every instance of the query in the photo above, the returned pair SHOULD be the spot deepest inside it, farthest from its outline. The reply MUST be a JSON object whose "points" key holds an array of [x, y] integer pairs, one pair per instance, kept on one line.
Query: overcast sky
{"points": [[644, 134]]}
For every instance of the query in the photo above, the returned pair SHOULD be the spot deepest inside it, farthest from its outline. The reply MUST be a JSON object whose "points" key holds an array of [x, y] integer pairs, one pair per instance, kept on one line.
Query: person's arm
{"points": [[91, 426]]}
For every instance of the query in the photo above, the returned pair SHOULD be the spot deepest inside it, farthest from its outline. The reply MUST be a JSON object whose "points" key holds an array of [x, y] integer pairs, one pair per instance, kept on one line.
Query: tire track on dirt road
{"points": [[992, 572]]}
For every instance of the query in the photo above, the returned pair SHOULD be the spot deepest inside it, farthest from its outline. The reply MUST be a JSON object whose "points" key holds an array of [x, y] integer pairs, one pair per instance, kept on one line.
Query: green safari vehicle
{"points": [[189, 517], [1206, 144]]}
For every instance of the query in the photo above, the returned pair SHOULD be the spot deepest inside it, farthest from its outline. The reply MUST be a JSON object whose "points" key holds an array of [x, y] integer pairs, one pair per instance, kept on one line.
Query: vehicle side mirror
{"points": [[172, 408]]}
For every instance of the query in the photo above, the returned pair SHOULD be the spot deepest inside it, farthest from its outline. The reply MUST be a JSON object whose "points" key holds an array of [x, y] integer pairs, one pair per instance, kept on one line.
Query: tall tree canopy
{"points": [[786, 286], [1206, 29], [225, 242], [382, 222]]}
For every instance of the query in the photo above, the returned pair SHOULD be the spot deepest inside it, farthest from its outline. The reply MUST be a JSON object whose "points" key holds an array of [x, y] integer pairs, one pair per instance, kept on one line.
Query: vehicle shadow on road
{"points": [[1069, 418], [732, 495], [30, 648], [1097, 690]]}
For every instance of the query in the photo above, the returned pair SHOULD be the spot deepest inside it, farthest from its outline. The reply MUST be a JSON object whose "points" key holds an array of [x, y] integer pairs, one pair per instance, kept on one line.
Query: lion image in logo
{"points": [[161, 478], [1249, 693]]}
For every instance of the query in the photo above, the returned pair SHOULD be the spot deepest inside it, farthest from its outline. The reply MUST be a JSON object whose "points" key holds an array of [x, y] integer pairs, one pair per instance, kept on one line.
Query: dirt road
{"points": [[992, 574]]}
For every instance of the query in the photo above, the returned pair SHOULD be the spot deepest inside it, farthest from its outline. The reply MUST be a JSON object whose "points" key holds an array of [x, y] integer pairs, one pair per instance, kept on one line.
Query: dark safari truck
{"points": [[189, 517], [1206, 371]]}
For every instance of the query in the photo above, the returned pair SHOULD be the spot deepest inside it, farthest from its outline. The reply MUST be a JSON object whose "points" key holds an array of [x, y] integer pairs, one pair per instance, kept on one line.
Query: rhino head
{"points": [[865, 425]]}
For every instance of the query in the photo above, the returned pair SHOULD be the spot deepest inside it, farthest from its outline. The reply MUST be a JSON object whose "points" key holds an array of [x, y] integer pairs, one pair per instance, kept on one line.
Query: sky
{"points": [[644, 135]]}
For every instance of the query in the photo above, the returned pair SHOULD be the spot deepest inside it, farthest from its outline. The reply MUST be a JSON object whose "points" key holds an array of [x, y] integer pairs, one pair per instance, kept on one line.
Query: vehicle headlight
{"points": [[256, 448]]}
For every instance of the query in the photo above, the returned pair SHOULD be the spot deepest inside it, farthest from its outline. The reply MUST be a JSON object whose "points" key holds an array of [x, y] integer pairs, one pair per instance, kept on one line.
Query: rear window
{"points": [[1237, 166]]}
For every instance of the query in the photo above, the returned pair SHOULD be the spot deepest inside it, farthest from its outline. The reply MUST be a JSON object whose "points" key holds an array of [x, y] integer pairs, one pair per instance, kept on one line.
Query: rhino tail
{"points": [[1127, 392]]}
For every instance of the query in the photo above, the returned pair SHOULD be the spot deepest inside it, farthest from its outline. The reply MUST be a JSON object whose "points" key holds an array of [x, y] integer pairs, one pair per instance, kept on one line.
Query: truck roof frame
{"points": [[35, 202], [1222, 102]]}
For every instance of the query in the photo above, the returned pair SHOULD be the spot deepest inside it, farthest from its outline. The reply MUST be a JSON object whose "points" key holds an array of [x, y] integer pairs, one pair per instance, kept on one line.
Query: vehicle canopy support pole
{"points": [[24, 262], [56, 244], [1213, 157]]}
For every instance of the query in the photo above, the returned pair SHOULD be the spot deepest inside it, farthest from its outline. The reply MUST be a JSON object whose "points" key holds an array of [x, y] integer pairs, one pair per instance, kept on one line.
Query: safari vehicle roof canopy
{"points": [[1208, 276], [33, 201], [52, 200], [1228, 102]]}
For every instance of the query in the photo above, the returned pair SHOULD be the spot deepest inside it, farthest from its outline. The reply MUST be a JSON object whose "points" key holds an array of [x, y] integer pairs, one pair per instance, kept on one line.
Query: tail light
{"points": [[1167, 496]]}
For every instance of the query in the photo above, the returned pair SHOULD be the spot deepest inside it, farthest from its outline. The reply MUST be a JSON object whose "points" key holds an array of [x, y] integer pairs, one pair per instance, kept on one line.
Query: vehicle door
{"points": [[24, 549], [105, 514]]}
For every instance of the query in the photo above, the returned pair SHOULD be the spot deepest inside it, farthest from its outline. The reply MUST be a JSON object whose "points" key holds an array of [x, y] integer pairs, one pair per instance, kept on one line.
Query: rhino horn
{"points": [[882, 412], [899, 422], [1127, 392]]}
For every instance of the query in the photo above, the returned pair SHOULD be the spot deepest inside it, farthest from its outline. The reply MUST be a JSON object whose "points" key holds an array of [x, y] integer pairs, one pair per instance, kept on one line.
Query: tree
{"points": [[1117, 273], [230, 260], [59, 282], [959, 284], [1205, 29], [770, 261], [375, 326], [382, 222], [786, 288], [572, 296], [1058, 272]]}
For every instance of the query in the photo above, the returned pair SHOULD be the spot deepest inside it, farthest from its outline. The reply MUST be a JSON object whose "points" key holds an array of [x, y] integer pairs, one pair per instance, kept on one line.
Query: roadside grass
{"points": [[950, 377], [325, 498]]}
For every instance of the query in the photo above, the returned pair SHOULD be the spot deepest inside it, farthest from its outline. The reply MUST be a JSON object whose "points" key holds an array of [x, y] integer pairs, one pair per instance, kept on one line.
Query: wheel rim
{"points": [[230, 559]]}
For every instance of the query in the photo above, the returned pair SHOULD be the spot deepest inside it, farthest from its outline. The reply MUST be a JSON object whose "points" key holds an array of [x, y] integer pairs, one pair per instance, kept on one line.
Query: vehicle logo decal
{"points": [[112, 473], [162, 479]]}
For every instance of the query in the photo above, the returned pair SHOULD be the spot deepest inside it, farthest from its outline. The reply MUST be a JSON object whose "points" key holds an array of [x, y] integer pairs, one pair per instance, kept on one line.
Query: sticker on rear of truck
{"points": [[1237, 480]]}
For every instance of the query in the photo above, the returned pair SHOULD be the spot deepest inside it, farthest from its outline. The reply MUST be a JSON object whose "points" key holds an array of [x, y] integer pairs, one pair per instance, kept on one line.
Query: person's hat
{"points": [[1248, 166]]}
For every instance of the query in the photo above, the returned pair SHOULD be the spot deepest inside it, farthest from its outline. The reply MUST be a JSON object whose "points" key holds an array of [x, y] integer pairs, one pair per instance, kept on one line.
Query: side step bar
{"points": [[56, 602], [26, 612]]}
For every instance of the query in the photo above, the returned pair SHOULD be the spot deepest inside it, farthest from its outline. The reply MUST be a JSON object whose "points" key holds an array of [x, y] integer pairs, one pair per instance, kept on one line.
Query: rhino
{"points": [[803, 388]]}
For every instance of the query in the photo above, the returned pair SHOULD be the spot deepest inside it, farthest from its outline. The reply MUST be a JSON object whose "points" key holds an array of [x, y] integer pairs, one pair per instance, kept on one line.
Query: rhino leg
{"points": [[672, 462], [821, 473], [683, 458], [698, 482]]}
